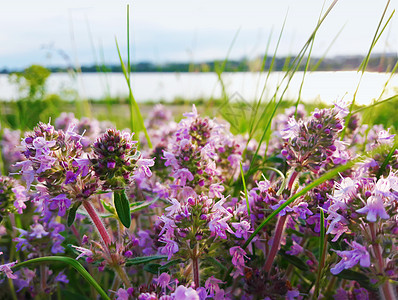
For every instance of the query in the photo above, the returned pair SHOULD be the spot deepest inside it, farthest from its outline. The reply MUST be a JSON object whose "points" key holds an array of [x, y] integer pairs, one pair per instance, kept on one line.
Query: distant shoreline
{"points": [[377, 63]]}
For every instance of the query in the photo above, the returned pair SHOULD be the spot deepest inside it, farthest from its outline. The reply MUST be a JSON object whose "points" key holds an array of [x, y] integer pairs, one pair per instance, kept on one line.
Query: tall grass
{"points": [[136, 120]]}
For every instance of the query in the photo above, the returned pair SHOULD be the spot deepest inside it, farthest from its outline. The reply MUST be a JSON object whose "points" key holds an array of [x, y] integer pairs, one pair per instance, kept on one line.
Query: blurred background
{"points": [[184, 51]]}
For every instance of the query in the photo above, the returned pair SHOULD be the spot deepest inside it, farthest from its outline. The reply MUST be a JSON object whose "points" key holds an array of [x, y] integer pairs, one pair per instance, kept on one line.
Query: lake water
{"points": [[324, 86]]}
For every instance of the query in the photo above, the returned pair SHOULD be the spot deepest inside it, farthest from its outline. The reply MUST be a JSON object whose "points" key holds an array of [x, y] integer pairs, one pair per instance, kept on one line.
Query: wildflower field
{"points": [[222, 202]]}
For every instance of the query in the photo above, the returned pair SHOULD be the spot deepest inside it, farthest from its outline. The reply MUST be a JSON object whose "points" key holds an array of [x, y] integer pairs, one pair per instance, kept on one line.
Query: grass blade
{"points": [[393, 98], [71, 262], [244, 187], [134, 109], [362, 68], [289, 74]]}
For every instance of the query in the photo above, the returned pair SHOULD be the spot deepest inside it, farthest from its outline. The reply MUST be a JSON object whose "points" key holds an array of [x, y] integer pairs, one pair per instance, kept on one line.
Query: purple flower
{"points": [[361, 294], [242, 229], [374, 208], [238, 259], [341, 294], [147, 296], [174, 208], [284, 211], [215, 190], [83, 252], [20, 195], [291, 295], [337, 223], [193, 114], [70, 177], [384, 137], [163, 280], [359, 254], [170, 160], [83, 165], [184, 175], [292, 130], [184, 293], [170, 248], [211, 285], [218, 226], [37, 231], [61, 277], [302, 210], [345, 190], [61, 202], [6, 269], [122, 294], [295, 249], [144, 165]]}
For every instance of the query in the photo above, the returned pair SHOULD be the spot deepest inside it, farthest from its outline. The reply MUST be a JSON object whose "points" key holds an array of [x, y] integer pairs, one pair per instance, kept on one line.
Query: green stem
{"points": [[12, 289], [115, 285], [121, 272], [320, 268]]}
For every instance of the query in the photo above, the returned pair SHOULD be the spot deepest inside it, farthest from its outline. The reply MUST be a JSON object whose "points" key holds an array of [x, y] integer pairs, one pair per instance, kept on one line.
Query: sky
{"points": [[82, 32]]}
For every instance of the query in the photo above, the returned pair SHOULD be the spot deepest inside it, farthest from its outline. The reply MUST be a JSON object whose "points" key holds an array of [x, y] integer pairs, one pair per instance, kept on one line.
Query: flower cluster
{"points": [[179, 221], [12, 197], [311, 144], [114, 158]]}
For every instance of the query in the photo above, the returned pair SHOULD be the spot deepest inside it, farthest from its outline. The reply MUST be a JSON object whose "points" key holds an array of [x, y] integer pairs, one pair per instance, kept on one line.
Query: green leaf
{"points": [[142, 205], [108, 207], [275, 159], [295, 261], [171, 263], [152, 268], [69, 295], [72, 213], [143, 259], [362, 279], [214, 261], [122, 206], [352, 275], [71, 262]]}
